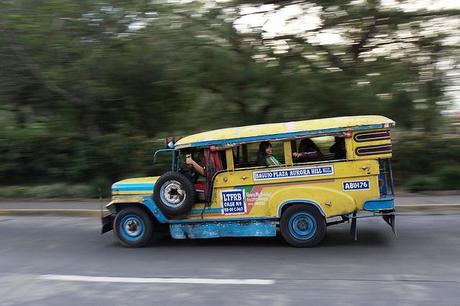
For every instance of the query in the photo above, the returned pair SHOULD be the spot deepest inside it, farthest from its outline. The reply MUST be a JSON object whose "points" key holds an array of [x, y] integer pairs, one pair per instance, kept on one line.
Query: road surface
{"points": [[64, 261], [401, 200]]}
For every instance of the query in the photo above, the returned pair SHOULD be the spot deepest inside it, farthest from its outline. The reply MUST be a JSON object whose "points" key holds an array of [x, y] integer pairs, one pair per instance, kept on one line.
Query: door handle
{"points": [[364, 168], [244, 177]]}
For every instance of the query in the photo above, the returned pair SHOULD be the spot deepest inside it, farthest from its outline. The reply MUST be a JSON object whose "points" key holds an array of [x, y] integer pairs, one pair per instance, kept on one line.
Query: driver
{"points": [[196, 166]]}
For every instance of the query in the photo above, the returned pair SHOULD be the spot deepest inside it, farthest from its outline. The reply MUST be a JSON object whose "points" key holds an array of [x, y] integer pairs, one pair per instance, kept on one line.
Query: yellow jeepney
{"points": [[327, 171]]}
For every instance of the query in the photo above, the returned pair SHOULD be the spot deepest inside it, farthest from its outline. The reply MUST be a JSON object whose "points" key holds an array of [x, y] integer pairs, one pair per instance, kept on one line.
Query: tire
{"points": [[174, 193], [133, 227], [302, 226]]}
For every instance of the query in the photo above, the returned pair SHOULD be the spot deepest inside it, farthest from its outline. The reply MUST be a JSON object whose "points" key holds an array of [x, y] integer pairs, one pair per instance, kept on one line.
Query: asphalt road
{"points": [[420, 267], [401, 200]]}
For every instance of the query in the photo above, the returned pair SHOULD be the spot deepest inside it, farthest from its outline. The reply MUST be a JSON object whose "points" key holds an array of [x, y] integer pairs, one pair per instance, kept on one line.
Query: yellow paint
{"points": [[117, 200], [137, 180], [353, 145], [288, 153], [326, 191], [229, 158]]}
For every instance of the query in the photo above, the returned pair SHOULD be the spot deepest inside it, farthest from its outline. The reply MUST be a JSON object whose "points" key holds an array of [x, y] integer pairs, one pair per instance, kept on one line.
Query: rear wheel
{"points": [[302, 226], [133, 227]]}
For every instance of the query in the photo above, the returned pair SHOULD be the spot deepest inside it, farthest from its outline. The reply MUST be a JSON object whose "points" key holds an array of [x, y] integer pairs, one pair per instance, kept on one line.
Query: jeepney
{"points": [[299, 198]]}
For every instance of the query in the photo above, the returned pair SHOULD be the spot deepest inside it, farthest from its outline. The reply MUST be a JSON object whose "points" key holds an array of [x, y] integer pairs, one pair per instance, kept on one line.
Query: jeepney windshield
{"points": [[165, 160]]}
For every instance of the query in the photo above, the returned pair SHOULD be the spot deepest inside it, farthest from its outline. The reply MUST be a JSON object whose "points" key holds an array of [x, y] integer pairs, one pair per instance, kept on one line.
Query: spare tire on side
{"points": [[174, 193]]}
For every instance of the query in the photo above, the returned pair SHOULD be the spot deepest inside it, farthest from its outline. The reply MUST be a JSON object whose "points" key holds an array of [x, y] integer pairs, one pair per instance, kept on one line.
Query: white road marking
{"points": [[151, 280]]}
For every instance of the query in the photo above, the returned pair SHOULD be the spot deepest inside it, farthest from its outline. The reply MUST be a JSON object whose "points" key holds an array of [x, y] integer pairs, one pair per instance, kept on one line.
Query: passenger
{"points": [[338, 148], [308, 151], [265, 157]]}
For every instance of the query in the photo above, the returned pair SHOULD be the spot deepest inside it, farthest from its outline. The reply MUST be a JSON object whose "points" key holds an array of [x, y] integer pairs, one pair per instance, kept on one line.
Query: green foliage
{"points": [[423, 183], [424, 162], [48, 157], [449, 177], [86, 88], [59, 190]]}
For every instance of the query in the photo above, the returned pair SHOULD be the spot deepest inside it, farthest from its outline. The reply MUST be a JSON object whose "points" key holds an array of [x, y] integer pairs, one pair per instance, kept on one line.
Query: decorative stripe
{"points": [[133, 187], [372, 136], [373, 150]]}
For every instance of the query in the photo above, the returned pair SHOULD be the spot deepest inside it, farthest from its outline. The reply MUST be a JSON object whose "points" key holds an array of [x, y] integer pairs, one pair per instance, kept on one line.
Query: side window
{"points": [[278, 151], [248, 155], [316, 149], [243, 155]]}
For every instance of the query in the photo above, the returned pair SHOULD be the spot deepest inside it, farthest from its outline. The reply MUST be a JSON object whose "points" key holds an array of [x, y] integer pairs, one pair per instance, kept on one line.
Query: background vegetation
{"points": [[87, 88]]}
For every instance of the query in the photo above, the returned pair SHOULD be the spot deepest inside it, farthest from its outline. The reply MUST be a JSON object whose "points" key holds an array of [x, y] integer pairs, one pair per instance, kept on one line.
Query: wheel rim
{"points": [[132, 228], [172, 194], [302, 226]]}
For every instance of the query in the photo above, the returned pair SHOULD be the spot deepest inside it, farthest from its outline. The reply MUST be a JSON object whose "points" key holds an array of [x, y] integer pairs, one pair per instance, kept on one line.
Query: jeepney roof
{"points": [[285, 130]]}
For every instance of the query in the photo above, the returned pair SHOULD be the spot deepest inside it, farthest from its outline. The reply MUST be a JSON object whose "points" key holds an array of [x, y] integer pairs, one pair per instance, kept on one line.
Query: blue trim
{"points": [[382, 178], [153, 208], [206, 210], [223, 229], [149, 203], [247, 219], [385, 203], [278, 136], [301, 201], [133, 187]]}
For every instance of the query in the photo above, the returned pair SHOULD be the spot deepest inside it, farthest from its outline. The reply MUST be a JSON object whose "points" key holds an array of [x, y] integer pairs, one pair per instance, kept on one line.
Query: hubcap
{"points": [[132, 228], [172, 193], [302, 225]]}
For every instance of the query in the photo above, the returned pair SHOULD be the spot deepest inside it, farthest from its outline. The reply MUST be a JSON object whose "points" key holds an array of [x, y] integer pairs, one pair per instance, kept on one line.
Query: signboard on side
{"points": [[233, 202], [311, 171]]}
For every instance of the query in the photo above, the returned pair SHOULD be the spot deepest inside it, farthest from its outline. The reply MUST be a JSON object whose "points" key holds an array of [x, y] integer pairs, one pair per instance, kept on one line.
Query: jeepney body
{"points": [[249, 200]]}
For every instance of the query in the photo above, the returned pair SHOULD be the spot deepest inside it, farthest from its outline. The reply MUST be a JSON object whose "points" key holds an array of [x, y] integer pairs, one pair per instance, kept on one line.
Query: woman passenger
{"points": [[265, 157]]}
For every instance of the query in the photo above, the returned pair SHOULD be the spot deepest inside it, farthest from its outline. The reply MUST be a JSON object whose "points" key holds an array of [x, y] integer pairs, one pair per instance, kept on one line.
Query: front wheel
{"points": [[133, 227], [302, 226]]}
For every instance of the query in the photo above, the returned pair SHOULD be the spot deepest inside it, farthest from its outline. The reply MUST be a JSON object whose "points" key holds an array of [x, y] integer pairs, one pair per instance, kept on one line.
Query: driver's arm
{"points": [[195, 165]]}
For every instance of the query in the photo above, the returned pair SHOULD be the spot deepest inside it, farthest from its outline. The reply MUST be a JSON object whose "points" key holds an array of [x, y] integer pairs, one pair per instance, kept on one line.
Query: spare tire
{"points": [[174, 193]]}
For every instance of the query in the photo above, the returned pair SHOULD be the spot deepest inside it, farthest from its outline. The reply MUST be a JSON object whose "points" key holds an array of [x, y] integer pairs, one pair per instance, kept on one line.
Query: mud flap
{"points": [[107, 224], [391, 221], [354, 227]]}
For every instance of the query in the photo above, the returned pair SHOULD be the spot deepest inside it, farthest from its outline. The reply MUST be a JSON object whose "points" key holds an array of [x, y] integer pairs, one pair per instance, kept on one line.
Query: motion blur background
{"points": [[88, 89]]}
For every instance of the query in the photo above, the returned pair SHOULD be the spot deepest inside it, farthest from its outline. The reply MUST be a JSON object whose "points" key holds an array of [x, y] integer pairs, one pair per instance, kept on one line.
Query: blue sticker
{"points": [[233, 202], [356, 185], [293, 173]]}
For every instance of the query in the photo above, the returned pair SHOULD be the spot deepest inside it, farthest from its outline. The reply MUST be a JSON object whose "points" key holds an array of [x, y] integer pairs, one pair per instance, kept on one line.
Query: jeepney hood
{"points": [[134, 186]]}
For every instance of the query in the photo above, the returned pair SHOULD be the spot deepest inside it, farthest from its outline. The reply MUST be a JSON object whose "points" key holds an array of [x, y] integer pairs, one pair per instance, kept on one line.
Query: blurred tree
{"points": [[380, 57], [85, 86]]}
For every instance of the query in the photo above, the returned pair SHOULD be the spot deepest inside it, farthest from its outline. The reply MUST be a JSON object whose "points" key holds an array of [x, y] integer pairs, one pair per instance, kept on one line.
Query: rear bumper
{"points": [[382, 204]]}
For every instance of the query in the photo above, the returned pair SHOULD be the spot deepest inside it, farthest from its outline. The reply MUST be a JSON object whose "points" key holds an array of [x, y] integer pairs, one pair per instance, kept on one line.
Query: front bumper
{"points": [[107, 223]]}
